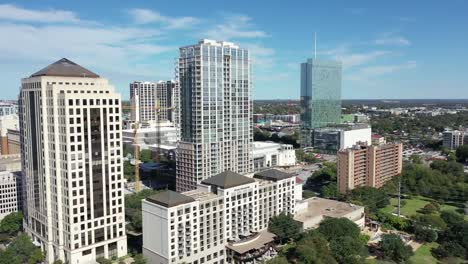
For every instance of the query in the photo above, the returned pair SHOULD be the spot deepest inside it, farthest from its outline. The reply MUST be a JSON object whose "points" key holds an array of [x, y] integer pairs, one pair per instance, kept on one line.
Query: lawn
{"points": [[423, 254], [413, 205]]}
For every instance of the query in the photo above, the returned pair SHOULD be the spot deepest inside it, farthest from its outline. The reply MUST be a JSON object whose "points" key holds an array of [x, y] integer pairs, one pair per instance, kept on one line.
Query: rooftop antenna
{"points": [[315, 45]]}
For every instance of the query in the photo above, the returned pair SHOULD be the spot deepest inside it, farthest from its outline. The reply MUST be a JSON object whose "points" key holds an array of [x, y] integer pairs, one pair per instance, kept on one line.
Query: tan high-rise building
{"points": [[368, 165], [70, 132]]}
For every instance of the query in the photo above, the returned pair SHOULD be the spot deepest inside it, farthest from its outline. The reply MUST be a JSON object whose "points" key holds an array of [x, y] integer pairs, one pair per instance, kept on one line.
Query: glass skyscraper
{"points": [[215, 112], [320, 96]]}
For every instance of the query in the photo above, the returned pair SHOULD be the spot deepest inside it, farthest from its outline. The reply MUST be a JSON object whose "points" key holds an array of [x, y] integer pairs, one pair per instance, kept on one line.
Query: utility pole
{"points": [[399, 196]]}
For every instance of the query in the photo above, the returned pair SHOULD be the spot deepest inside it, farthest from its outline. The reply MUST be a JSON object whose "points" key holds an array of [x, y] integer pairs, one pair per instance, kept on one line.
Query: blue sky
{"points": [[389, 49]]}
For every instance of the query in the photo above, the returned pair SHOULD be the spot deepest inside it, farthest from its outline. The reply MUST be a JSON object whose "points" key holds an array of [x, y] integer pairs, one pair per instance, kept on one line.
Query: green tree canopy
{"points": [[462, 153], [313, 248], [370, 197], [12, 223], [394, 249], [284, 227], [23, 248], [332, 228], [145, 155], [348, 250]]}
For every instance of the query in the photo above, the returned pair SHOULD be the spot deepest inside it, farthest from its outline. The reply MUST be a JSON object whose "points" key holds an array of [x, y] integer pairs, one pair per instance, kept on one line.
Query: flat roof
{"points": [[170, 198], [272, 175], [200, 195], [317, 207], [256, 242]]}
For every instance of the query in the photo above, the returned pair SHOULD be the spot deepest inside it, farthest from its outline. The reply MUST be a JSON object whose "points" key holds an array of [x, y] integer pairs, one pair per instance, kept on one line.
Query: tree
{"points": [[449, 249], [12, 223], [332, 228], [102, 260], [429, 220], [425, 234], [8, 257], [462, 153], [145, 155], [348, 250], [129, 171], [416, 159], [23, 248], [451, 217], [429, 208], [278, 260], [394, 249], [284, 227], [370, 197], [139, 259], [330, 191], [312, 248]]}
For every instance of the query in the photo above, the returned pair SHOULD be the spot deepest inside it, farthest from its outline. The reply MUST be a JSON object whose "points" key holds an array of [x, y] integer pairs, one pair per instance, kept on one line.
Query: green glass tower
{"points": [[320, 96]]}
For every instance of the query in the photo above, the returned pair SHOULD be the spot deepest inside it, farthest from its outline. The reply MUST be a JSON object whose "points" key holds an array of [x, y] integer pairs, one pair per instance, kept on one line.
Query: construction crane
{"points": [[136, 146]]}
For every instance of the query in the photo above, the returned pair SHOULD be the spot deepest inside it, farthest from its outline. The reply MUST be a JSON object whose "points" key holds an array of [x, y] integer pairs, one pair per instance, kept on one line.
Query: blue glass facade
{"points": [[320, 95]]}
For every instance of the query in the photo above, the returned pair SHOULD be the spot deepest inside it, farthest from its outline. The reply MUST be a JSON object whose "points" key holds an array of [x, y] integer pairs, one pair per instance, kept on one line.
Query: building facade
{"points": [[199, 225], [368, 165], [11, 193], [215, 112], [70, 126], [452, 139], [332, 139], [320, 96], [151, 101], [7, 122], [8, 109], [270, 154]]}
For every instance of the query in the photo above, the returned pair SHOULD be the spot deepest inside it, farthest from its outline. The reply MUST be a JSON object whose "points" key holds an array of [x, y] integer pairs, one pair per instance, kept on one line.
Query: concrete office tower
{"points": [[145, 97], [320, 96], [11, 193], [70, 123], [215, 112], [368, 165]]}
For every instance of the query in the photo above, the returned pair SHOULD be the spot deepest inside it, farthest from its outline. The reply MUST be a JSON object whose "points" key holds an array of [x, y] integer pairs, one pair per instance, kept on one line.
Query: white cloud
{"points": [[366, 74], [14, 13], [146, 16], [384, 69], [392, 39], [234, 27], [112, 48], [352, 59]]}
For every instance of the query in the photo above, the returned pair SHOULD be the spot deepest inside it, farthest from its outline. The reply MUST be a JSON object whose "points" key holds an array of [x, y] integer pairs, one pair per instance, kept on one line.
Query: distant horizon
{"points": [[387, 49]]}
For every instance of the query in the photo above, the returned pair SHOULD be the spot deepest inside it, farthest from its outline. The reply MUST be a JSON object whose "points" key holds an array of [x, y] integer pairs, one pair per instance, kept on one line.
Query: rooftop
{"points": [[318, 207], [200, 195], [169, 198], [272, 175], [65, 68], [228, 179], [258, 241]]}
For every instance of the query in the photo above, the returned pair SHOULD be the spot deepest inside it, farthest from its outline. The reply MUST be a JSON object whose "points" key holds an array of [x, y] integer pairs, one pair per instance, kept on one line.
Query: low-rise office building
{"points": [[208, 224], [368, 165], [332, 139], [10, 193], [452, 139], [166, 134], [7, 123], [270, 154]]}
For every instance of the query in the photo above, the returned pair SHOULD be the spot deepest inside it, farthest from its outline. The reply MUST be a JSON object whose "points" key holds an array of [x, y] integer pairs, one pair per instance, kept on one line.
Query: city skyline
{"points": [[397, 56]]}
